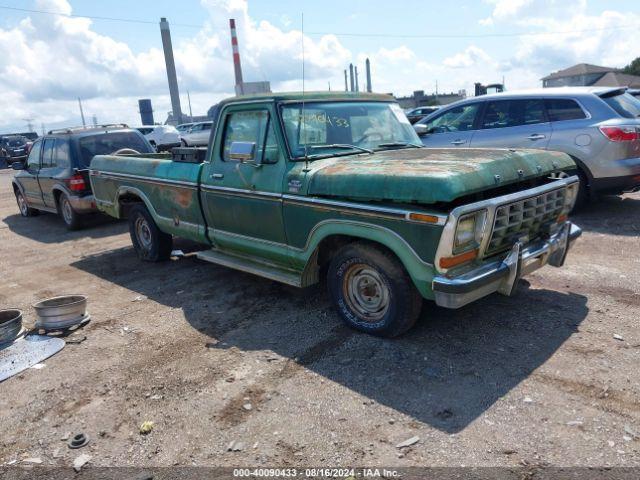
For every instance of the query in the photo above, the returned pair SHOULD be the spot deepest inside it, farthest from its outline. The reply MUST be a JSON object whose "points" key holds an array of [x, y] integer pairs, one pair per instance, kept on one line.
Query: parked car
{"points": [[416, 114], [197, 135], [298, 186], [13, 148], [184, 127], [161, 137], [55, 177], [598, 127]]}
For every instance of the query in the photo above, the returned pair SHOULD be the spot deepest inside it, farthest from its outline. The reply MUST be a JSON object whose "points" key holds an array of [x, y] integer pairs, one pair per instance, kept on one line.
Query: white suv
{"points": [[161, 137]]}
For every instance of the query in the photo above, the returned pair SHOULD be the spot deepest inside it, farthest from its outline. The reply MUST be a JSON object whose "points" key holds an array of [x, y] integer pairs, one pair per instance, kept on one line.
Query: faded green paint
{"points": [[262, 215], [428, 176]]}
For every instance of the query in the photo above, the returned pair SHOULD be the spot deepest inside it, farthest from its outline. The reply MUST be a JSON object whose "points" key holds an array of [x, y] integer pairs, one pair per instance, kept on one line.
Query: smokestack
{"points": [[351, 77], [346, 86], [237, 68], [368, 71], [146, 111], [357, 86], [165, 33]]}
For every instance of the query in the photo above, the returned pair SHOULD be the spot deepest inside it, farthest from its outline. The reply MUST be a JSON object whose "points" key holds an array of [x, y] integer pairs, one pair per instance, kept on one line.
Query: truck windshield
{"points": [[326, 128], [107, 143]]}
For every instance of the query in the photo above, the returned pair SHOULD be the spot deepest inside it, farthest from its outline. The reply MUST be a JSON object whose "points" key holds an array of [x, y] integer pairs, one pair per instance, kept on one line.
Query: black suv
{"points": [[55, 177], [13, 148]]}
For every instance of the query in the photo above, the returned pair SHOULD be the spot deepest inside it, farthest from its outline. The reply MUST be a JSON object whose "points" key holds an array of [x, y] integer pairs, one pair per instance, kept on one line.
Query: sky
{"points": [[47, 61]]}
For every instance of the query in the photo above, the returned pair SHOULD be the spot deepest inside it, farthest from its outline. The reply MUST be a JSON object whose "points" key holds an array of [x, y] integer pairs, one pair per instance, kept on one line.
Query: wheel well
{"points": [[126, 202], [16, 189], [582, 168], [56, 197], [331, 244]]}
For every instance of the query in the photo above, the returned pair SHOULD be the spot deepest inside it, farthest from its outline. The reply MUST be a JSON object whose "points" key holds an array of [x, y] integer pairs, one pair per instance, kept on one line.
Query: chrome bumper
{"points": [[502, 276]]}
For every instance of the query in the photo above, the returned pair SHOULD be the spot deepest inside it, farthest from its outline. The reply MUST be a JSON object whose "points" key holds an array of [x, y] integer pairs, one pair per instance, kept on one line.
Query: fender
{"points": [[15, 183], [124, 190], [421, 272]]}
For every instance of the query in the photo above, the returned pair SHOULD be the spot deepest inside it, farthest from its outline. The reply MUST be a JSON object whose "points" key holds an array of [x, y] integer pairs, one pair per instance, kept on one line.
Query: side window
{"points": [[33, 162], [245, 127], [271, 147], [559, 109], [61, 155], [206, 126], [513, 113], [458, 119], [47, 153]]}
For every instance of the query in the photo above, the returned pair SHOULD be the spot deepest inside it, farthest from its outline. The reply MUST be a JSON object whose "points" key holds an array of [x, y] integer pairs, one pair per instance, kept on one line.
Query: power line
{"points": [[111, 19], [481, 35], [341, 34]]}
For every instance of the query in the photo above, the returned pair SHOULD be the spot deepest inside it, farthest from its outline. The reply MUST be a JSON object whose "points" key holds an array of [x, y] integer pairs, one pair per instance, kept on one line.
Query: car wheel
{"points": [[153, 144], [584, 195], [24, 208], [71, 218], [150, 243], [372, 291], [184, 143]]}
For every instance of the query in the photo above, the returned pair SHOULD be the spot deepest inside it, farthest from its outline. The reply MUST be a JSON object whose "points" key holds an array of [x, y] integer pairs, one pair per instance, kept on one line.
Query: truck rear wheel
{"points": [[150, 243], [71, 218], [372, 291]]}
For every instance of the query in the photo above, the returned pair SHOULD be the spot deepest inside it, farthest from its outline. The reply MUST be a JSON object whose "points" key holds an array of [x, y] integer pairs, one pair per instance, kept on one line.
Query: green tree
{"points": [[633, 68]]}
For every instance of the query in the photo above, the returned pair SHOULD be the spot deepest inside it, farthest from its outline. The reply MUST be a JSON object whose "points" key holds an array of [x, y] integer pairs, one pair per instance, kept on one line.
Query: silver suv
{"points": [[598, 127]]}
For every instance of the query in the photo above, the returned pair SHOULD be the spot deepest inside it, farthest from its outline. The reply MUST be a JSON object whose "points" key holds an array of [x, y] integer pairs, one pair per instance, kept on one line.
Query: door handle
{"points": [[217, 176], [536, 136], [458, 142]]}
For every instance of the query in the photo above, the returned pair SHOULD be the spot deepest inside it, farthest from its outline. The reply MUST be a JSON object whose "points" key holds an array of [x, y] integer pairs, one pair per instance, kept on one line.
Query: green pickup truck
{"points": [[297, 187]]}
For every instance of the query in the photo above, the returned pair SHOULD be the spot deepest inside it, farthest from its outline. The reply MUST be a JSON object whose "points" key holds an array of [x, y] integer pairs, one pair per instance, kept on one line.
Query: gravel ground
{"points": [[217, 358]]}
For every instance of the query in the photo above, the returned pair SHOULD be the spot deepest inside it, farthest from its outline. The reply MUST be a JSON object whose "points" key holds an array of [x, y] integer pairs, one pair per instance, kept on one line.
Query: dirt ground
{"points": [[213, 356]]}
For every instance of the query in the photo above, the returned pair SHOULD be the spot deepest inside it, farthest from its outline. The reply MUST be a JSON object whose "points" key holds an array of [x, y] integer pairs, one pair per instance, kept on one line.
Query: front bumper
{"points": [[502, 275], [86, 204]]}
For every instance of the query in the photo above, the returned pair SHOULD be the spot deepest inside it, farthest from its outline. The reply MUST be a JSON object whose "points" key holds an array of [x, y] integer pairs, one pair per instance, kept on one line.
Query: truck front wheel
{"points": [[372, 291], [150, 243]]}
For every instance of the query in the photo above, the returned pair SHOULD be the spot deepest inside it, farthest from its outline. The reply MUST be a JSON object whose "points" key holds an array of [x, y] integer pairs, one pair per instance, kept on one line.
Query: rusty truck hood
{"points": [[428, 175]]}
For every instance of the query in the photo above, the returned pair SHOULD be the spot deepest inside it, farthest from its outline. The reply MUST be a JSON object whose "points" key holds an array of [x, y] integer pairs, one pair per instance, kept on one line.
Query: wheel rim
{"points": [[67, 212], [22, 205], [365, 292], [143, 233]]}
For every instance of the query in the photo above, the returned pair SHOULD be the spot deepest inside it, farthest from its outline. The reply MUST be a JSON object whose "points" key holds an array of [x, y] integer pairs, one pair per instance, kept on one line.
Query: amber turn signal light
{"points": [[423, 217], [448, 262]]}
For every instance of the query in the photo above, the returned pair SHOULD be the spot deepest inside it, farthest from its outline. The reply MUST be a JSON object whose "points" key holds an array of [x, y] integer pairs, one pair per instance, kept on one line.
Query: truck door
{"points": [[242, 200], [518, 123]]}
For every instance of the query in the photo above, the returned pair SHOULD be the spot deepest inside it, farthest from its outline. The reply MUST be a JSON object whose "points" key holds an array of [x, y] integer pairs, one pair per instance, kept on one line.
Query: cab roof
{"points": [[310, 97]]}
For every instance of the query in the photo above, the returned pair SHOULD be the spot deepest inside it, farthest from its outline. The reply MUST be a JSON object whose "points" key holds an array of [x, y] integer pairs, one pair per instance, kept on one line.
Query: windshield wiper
{"points": [[343, 146], [400, 144]]}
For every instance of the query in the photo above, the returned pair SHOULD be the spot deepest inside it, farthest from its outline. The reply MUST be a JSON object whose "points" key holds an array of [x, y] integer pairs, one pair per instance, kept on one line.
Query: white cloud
{"points": [[471, 56]]}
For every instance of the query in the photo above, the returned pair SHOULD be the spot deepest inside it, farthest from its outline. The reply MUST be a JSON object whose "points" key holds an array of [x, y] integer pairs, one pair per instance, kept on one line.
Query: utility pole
{"points": [[368, 71], [29, 123], [165, 34], [351, 84], [357, 86], [42, 126], [189, 100], [346, 85], [94, 119], [81, 112]]}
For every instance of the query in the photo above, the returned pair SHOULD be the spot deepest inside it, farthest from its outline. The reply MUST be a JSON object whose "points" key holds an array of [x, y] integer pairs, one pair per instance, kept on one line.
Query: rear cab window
{"points": [[108, 143]]}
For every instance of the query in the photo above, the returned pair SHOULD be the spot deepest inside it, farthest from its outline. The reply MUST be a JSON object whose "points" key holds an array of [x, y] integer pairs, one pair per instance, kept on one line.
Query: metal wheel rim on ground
{"points": [[365, 292]]}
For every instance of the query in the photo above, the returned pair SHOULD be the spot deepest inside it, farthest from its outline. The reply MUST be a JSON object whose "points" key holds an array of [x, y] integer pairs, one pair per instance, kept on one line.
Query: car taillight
{"points": [[621, 134], [77, 183]]}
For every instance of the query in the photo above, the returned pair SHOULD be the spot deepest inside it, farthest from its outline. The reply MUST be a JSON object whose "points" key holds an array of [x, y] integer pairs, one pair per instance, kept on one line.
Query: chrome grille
{"points": [[524, 218]]}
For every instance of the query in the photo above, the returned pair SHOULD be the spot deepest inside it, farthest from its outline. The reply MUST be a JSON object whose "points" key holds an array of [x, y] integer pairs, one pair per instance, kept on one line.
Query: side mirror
{"points": [[17, 166], [421, 129], [243, 152]]}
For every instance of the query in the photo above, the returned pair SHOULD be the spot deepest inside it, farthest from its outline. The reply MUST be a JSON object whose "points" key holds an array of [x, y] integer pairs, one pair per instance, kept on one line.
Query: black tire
{"points": [[385, 302], [150, 243], [72, 219], [25, 210], [584, 195]]}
